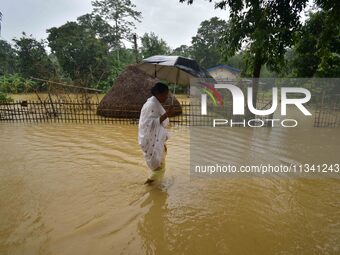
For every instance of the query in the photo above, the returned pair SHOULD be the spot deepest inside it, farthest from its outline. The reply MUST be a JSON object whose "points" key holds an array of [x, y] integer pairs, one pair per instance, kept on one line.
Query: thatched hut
{"points": [[128, 94]]}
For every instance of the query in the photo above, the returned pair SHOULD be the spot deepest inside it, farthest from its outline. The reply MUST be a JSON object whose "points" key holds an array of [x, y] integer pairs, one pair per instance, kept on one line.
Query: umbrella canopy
{"points": [[174, 69]]}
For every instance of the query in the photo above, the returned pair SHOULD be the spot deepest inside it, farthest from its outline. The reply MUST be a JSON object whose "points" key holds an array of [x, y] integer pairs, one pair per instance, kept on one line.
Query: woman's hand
{"points": [[167, 114], [170, 111]]}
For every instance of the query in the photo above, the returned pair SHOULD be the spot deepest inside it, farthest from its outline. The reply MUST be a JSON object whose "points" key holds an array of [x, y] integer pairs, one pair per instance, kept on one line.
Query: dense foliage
{"points": [[261, 38]]}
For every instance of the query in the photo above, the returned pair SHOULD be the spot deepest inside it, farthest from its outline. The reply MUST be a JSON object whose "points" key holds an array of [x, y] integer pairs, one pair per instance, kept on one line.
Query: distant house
{"points": [[224, 72]]}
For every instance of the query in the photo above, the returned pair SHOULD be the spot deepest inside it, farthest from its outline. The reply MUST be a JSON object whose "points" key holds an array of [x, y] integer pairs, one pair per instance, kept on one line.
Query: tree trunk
{"points": [[117, 40], [135, 47], [256, 75], [255, 81]]}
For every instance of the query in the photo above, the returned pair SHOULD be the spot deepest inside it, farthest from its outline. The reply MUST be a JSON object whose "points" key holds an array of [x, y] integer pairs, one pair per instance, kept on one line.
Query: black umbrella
{"points": [[174, 69]]}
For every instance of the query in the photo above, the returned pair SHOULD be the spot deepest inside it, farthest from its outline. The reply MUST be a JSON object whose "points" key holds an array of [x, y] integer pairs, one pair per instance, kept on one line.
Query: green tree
{"points": [[8, 58], [263, 29], [183, 51], [81, 55], [206, 43], [332, 8], [238, 61], [317, 51], [96, 24], [121, 15], [32, 58], [153, 45], [116, 67]]}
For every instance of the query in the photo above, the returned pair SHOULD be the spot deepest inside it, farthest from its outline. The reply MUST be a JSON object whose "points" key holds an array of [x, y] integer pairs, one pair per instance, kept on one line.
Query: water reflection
{"points": [[152, 228], [77, 189]]}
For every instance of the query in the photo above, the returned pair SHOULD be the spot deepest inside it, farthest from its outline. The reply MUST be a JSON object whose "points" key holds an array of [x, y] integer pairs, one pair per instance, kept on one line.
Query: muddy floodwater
{"points": [[77, 189]]}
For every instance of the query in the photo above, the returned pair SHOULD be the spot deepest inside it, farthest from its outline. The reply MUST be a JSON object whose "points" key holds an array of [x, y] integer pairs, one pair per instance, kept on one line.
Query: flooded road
{"points": [[77, 189]]}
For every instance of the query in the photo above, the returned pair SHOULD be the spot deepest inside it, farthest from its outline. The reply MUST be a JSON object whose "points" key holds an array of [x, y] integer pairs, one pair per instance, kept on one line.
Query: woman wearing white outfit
{"points": [[152, 134]]}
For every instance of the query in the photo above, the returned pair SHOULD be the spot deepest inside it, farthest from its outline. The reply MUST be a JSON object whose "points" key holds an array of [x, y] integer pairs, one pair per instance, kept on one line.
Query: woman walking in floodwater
{"points": [[152, 134]]}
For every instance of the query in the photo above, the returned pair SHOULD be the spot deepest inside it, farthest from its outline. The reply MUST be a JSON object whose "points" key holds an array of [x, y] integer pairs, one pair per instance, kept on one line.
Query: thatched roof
{"points": [[128, 94]]}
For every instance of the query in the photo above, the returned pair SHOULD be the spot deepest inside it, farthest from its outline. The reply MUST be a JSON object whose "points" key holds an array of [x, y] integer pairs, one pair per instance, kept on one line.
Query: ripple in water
{"points": [[77, 189]]}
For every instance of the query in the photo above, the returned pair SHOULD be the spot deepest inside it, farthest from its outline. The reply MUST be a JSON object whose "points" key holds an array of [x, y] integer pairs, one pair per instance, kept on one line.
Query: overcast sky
{"points": [[175, 22]]}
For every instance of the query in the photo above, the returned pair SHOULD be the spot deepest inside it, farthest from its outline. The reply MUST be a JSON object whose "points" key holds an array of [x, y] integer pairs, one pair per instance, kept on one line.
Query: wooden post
{"points": [[135, 47], [53, 109]]}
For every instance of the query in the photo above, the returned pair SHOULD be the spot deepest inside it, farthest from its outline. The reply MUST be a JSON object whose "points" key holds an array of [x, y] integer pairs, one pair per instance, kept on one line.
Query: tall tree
{"points": [[317, 51], [83, 56], [32, 58], [8, 58], [153, 45], [263, 28], [121, 15], [329, 38], [206, 43], [96, 24]]}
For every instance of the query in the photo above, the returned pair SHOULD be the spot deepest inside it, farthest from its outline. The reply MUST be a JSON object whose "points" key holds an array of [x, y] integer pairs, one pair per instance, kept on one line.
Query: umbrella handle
{"points": [[173, 95]]}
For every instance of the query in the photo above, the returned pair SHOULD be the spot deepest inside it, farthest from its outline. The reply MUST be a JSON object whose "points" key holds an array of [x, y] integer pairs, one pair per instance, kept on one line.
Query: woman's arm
{"points": [[166, 114], [163, 117]]}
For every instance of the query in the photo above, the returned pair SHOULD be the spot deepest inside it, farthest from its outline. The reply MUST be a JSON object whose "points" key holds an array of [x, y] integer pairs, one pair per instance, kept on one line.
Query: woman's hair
{"points": [[159, 88]]}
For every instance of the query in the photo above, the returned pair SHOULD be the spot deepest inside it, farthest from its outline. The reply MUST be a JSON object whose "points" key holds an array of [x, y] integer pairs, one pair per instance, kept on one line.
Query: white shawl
{"points": [[151, 133]]}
